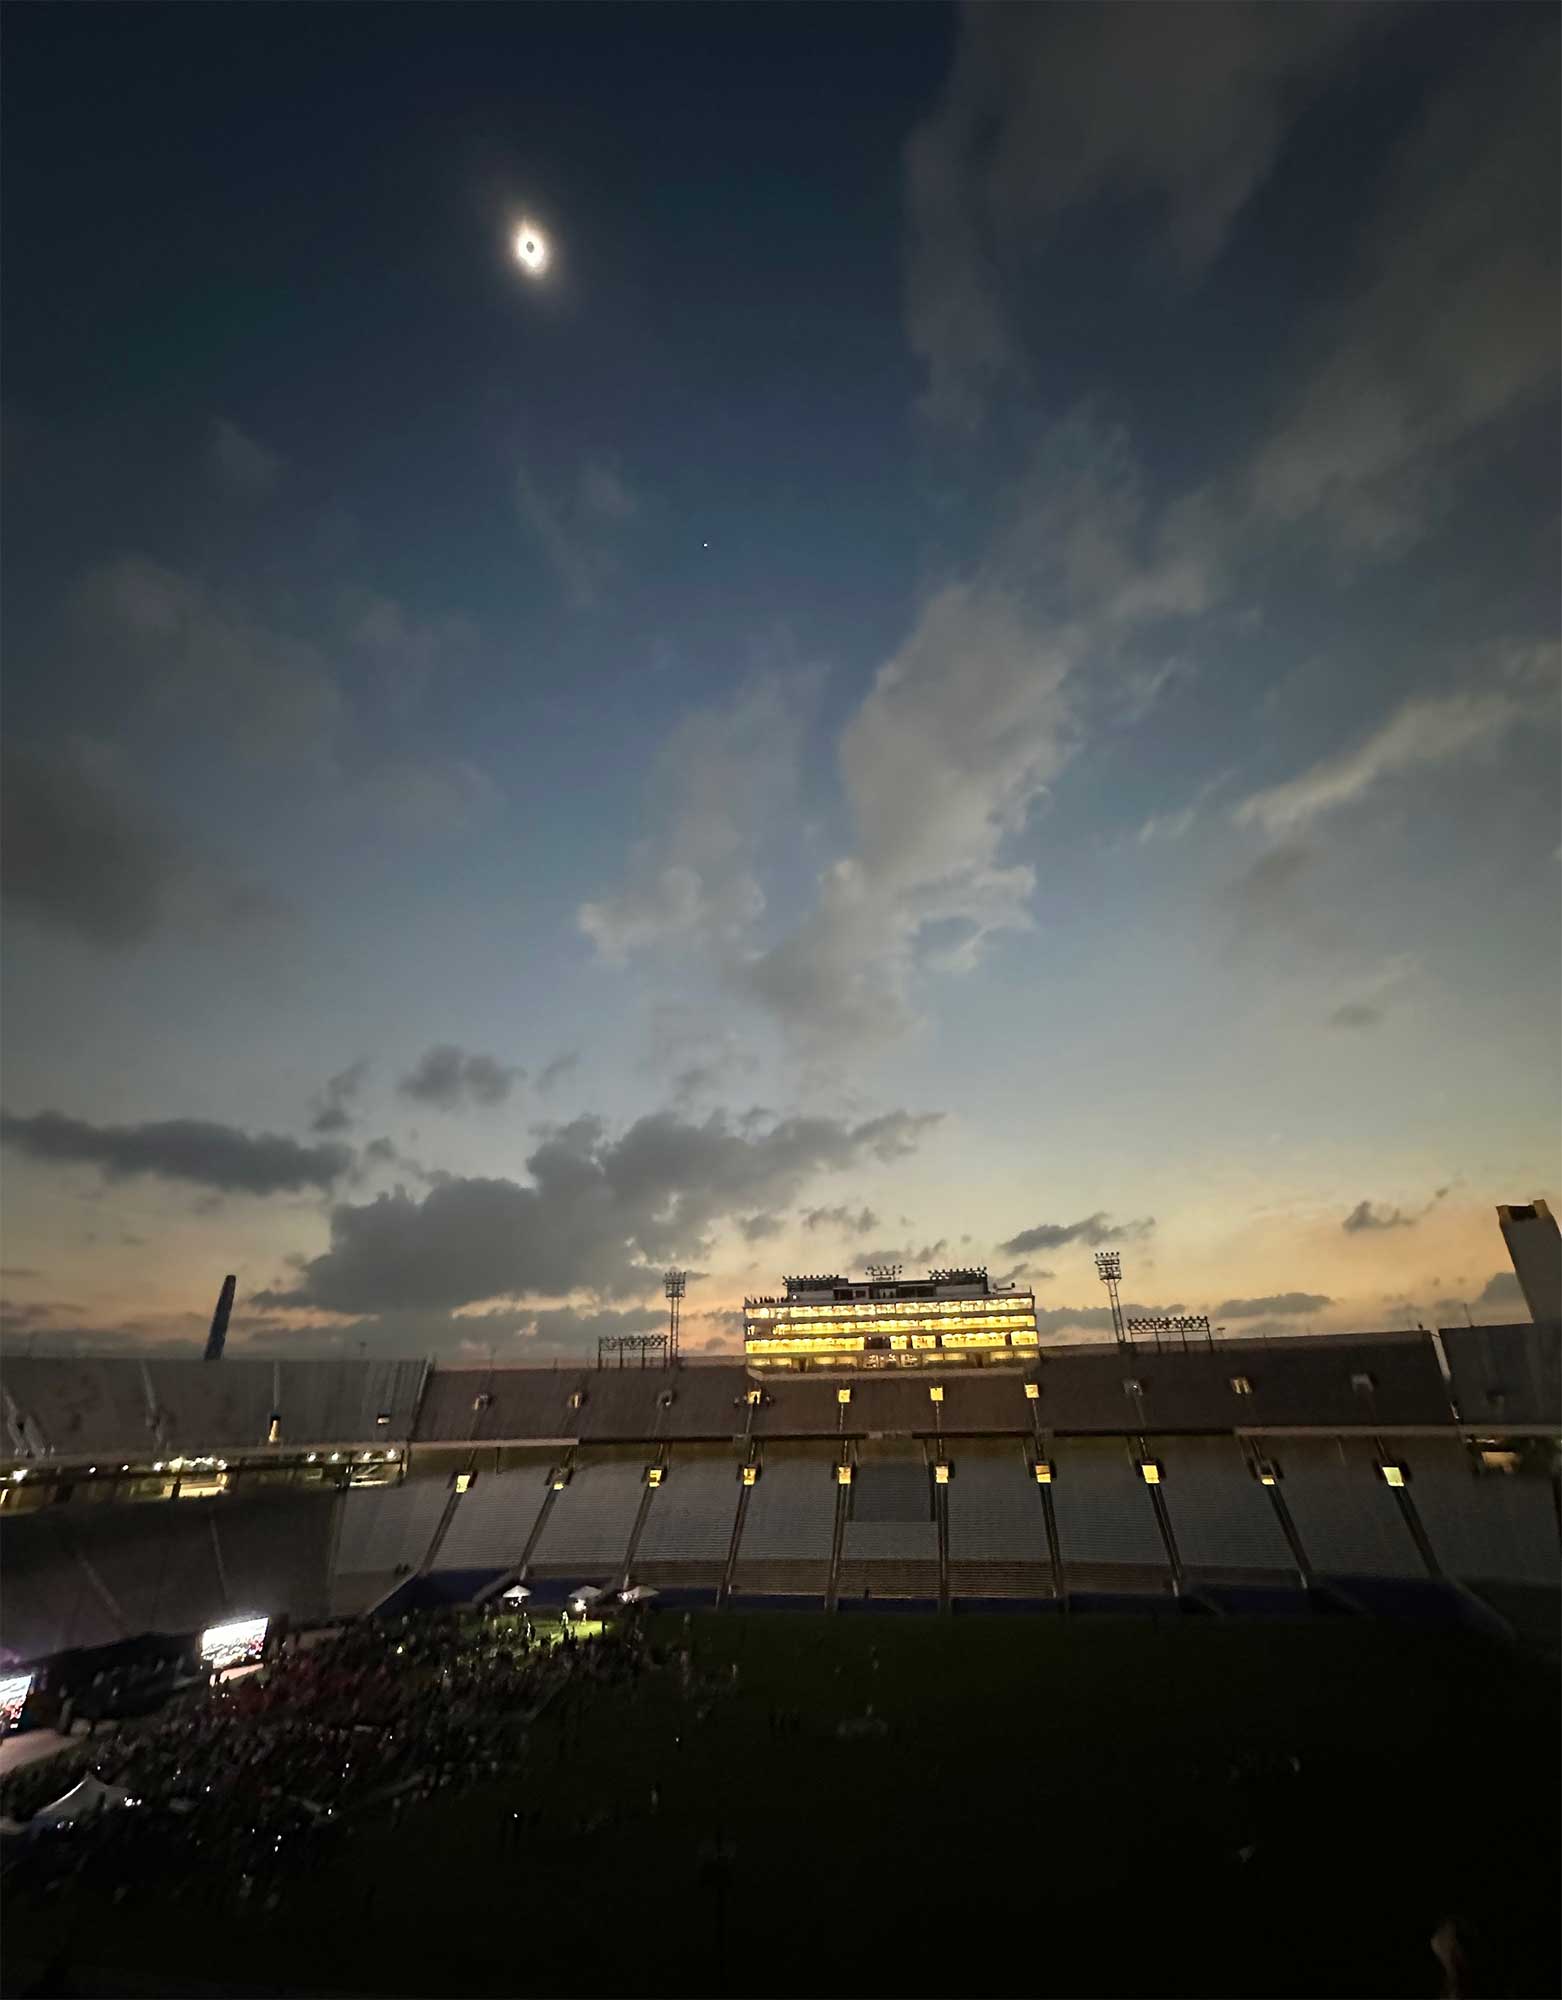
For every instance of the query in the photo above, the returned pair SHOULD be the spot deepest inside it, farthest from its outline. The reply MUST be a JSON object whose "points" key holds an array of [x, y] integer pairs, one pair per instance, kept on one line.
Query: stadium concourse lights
{"points": [[941, 1473], [654, 1475], [1393, 1475], [750, 1474], [1150, 1471], [463, 1482], [1044, 1472], [843, 1475], [1032, 1392], [936, 1393], [843, 1395]]}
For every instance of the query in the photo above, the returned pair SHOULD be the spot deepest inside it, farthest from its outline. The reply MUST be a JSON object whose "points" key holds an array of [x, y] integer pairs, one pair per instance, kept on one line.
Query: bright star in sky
{"points": [[531, 249]]}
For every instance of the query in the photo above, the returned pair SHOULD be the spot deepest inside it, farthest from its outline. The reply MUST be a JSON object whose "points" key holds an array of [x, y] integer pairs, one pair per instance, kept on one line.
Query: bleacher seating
{"points": [[1108, 1536], [1346, 1517], [276, 1551], [388, 1528], [591, 1519], [995, 1512], [493, 1519], [1483, 1526], [1000, 1579], [1222, 1519], [791, 1511], [866, 1581], [691, 1513]]}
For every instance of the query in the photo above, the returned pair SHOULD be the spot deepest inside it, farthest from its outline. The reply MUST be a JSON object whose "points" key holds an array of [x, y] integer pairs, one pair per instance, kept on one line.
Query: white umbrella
{"points": [[516, 1594]]}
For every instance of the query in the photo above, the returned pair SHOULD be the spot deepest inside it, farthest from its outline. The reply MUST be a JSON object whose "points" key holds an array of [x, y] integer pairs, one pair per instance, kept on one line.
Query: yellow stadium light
{"points": [[941, 1474], [752, 1396], [843, 1475], [1032, 1391], [843, 1395], [1266, 1475], [1393, 1474], [653, 1475], [936, 1393], [750, 1474], [463, 1481], [1043, 1472], [1150, 1472]]}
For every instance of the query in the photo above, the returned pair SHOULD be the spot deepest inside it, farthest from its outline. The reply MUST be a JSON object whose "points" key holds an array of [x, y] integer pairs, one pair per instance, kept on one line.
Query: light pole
{"points": [[1109, 1267]]}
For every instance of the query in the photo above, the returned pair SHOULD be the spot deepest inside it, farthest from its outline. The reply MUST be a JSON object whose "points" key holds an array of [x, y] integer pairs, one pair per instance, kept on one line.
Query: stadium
{"points": [[1209, 1629]]}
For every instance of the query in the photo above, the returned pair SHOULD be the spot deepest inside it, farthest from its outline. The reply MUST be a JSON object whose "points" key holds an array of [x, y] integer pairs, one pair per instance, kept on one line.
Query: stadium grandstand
{"points": [[164, 1495]]}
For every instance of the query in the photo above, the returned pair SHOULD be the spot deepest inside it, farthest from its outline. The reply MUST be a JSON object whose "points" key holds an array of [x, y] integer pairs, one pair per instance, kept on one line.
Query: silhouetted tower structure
{"points": [[1109, 1264], [219, 1333], [673, 1284]]}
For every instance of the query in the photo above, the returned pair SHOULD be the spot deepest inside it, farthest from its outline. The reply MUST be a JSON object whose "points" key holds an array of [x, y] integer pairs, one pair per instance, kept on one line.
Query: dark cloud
{"points": [[1356, 1014], [759, 1228], [556, 1068], [1269, 893], [180, 1149], [448, 1077], [1093, 1229], [82, 852], [927, 1254], [1275, 1302], [1502, 1289], [599, 1214], [1094, 1319], [333, 1107], [1365, 1216], [849, 1221]]}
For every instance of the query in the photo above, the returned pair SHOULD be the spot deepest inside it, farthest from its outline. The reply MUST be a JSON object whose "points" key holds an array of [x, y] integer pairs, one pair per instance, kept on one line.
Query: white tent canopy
{"points": [[80, 1802], [586, 1593], [516, 1594], [639, 1593]]}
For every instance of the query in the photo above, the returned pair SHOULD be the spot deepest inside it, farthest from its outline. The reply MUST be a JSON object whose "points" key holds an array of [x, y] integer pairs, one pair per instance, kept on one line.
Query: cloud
{"points": [[599, 1213], [179, 1149], [1424, 732], [406, 654], [1356, 1014], [1468, 216], [209, 661], [760, 1228], [1276, 1302], [1092, 1229], [85, 853], [1366, 1216], [434, 797], [556, 1068], [1049, 109], [721, 782], [1502, 1289], [964, 729], [333, 1106], [448, 1077], [243, 464], [572, 528], [605, 493], [844, 1220]]}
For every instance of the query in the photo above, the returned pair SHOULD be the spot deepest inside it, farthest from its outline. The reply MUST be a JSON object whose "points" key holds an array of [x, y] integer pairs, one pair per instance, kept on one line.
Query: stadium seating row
{"points": [[86, 1574], [74, 1409]]}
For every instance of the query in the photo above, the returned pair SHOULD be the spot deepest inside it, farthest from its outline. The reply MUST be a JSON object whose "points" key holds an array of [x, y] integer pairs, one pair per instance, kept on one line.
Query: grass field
{"points": [[1050, 1812]]}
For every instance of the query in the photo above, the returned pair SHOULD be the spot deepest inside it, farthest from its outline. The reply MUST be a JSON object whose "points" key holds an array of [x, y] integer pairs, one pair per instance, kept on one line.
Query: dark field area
{"points": [[1052, 1809]]}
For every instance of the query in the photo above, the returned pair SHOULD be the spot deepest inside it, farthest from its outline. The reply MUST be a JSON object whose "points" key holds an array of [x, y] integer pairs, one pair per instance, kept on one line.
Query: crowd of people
{"points": [[233, 1788]]}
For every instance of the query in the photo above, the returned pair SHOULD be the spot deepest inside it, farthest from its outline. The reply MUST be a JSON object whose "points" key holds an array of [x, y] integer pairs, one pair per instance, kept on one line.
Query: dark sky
{"points": [[998, 594]]}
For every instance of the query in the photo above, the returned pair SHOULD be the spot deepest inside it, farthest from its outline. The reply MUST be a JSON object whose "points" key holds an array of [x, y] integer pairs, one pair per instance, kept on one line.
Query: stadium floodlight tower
{"points": [[1109, 1266], [673, 1284]]}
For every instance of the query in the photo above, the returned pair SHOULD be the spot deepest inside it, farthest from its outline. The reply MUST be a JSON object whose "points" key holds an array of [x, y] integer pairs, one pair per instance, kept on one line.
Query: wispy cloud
{"points": [[1425, 731], [242, 463]]}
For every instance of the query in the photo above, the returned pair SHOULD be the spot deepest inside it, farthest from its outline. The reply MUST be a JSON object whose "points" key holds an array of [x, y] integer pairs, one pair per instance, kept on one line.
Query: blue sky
{"points": [[977, 660]]}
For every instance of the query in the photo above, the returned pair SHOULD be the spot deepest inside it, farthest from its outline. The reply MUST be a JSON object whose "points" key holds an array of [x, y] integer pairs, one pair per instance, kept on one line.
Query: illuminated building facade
{"points": [[886, 1321]]}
